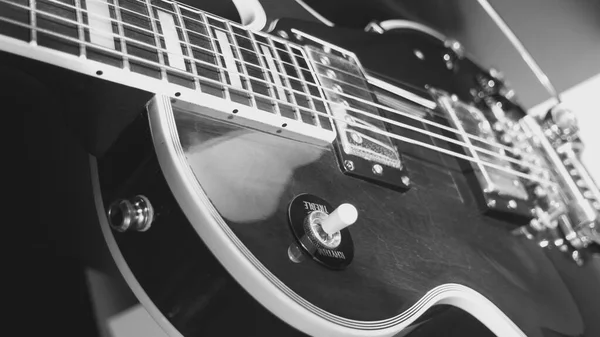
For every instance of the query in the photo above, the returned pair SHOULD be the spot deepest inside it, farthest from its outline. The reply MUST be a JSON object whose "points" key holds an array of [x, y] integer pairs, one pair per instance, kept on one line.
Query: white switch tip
{"points": [[342, 217]]}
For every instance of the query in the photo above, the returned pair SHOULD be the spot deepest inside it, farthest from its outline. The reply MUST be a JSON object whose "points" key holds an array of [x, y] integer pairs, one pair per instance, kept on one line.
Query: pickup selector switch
{"points": [[342, 217], [320, 231]]}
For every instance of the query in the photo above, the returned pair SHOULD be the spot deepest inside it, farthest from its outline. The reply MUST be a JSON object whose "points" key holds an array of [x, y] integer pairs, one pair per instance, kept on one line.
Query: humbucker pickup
{"points": [[501, 191], [364, 151]]}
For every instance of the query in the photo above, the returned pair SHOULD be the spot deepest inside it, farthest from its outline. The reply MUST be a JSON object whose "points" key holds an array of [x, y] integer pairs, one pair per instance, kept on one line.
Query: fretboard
{"points": [[175, 44]]}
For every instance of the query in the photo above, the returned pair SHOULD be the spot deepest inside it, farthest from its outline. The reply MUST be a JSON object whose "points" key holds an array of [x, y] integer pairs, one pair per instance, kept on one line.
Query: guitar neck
{"points": [[168, 47], [161, 39]]}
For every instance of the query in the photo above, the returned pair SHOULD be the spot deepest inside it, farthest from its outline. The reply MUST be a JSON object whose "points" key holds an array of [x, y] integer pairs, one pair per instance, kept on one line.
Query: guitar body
{"points": [[216, 257], [433, 250]]}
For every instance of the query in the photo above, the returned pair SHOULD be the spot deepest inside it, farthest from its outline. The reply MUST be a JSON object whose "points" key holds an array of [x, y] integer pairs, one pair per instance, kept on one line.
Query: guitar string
{"points": [[435, 135], [230, 32], [374, 116], [293, 65], [377, 131], [391, 135], [385, 120], [240, 60], [196, 20]]}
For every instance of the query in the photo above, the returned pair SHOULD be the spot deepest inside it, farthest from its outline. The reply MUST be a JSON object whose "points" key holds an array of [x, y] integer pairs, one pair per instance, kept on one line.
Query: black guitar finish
{"points": [[405, 244]]}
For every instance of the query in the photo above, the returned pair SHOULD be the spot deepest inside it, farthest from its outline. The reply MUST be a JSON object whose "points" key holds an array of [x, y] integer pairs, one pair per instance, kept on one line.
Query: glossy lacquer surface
{"points": [[405, 244]]}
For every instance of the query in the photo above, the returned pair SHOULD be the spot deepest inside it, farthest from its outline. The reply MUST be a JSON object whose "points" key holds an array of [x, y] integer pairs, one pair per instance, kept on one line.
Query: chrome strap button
{"points": [[136, 214]]}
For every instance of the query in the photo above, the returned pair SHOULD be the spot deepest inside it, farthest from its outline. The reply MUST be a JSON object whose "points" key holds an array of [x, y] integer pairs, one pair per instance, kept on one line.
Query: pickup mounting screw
{"points": [[512, 204], [356, 138], [349, 165], [491, 203], [405, 180], [577, 258], [283, 34], [377, 169], [419, 54]]}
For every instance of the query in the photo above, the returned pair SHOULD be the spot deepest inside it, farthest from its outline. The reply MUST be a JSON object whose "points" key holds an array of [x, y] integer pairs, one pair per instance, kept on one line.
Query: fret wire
{"points": [[264, 69], [33, 20], [140, 43], [133, 57], [302, 68], [80, 28], [192, 9], [285, 78], [161, 59], [186, 17], [121, 34], [243, 64], [197, 33], [208, 25], [269, 62], [246, 49], [391, 135], [185, 30], [188, 47], [125, 24], [310, 102], [388, 121], [217, 57], [366, 113], [109, 50]]}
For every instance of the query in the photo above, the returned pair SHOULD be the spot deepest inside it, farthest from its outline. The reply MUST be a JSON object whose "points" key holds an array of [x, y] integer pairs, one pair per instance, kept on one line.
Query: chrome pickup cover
{"points": [[503, 192], [364, 150], [350, 98]]}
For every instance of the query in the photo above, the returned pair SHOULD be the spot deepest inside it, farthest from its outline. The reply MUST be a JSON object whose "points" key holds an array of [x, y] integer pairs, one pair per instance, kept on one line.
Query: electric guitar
{"points": [[271, 184]]}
